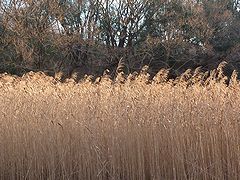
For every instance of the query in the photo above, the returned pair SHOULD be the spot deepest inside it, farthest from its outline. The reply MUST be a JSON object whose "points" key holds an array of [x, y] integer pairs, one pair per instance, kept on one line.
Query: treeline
{"points": [[89, 36]]}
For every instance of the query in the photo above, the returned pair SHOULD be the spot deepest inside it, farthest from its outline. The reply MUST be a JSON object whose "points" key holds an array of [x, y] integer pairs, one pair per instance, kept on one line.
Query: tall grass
{"points": [[133, 130]]}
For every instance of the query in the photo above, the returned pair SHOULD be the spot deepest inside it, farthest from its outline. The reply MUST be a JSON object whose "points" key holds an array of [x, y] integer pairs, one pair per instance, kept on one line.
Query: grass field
{"points": [[138, 130]]}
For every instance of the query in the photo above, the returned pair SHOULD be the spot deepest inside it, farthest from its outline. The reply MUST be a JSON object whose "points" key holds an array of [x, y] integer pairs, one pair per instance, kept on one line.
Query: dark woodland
{"points": [[78, 37]]}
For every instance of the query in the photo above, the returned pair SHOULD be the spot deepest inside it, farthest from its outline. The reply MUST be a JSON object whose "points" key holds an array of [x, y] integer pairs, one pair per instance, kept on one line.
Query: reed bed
{"points": [[188, 128]]}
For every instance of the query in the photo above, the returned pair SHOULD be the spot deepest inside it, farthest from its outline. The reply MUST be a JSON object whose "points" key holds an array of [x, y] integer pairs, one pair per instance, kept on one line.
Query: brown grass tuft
{"points": [[138, 129]]}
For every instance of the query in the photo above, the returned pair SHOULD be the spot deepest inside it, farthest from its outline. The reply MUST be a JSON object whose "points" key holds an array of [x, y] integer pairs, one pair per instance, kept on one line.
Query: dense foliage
{"points": [[89, 36]]}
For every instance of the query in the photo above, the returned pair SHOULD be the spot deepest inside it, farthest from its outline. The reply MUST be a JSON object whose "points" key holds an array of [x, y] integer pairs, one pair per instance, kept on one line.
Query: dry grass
{"points": [[183, 129]]}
